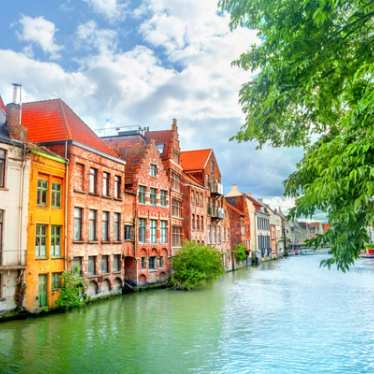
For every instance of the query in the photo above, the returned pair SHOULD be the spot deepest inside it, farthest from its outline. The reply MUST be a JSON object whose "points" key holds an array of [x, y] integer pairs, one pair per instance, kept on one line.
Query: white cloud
{"points": [[110, 9], [39, 31], [192, 81], [103, 40]]}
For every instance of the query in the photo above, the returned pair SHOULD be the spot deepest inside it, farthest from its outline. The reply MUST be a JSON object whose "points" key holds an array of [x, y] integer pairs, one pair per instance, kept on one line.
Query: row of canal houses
{"points": [[114, 208]]}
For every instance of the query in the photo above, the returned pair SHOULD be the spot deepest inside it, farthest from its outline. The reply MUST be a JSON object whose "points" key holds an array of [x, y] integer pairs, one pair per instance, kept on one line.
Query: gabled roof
{"points": [[164, 137], [195, 159], [234, 208], [53, 120], [192, 180]]}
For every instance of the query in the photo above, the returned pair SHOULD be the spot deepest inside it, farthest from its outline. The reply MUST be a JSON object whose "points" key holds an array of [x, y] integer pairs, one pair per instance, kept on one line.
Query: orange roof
{"points": [[195, 159], [54, 120]]}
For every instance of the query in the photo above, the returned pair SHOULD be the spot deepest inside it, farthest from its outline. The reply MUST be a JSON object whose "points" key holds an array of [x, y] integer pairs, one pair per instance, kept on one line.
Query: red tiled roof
{"points": [[195, 159], [54, 120]]}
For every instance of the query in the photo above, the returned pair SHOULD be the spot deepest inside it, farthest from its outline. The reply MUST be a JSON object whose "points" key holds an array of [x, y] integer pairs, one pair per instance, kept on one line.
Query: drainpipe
{"points": [[66, 206]]}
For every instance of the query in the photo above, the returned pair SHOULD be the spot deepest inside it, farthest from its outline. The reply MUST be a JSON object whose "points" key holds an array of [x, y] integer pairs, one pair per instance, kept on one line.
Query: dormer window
{"points": [[153, 170]]}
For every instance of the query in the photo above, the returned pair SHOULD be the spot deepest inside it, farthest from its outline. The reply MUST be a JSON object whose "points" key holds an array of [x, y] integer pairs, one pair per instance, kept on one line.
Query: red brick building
{"points": [[167, 142], [147, 179], [195, 209], [95, 208], [239, 229], [202, 166]]}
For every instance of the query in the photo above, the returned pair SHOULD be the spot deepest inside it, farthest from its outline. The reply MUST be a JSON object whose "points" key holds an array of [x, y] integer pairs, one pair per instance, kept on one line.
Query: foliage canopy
{"points": [[313, 86], [195, 265]]}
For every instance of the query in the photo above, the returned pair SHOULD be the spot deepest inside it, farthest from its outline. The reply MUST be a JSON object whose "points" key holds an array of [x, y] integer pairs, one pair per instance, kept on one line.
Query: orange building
{"points": [[45, 258]]}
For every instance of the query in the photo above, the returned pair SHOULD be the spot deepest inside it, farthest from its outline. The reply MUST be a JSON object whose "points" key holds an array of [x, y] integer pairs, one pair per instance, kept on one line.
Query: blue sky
{"points": [[130, 63]]}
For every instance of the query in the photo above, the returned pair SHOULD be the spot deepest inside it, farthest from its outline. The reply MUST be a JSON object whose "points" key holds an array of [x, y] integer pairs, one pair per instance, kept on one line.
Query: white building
{"points": [[14, 182]]}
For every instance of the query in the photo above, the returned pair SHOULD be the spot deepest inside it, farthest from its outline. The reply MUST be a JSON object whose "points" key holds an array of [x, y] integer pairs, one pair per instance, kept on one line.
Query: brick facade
{"points": [[95, 216]]}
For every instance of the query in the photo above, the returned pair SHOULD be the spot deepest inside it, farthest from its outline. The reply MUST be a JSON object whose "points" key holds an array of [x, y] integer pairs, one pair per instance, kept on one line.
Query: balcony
{"points": [[216, 212], [215, 187]]}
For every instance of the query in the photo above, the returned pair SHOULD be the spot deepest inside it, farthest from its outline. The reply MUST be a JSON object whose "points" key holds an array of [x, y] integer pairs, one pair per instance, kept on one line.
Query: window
{"points": [[105, 180], [105, 264], [153, 170], [160, 147], [2, 167], [128, 232], [142, 227], [176, 208], [141, 194], [79, 177], [153, 231], [202, 223], [176, 236], [144, 264], [91, 265], [175, 181], [92, 225], [92, 181], [193, 222], [116, 263], [78, 214], [117, 187], [105, 227], [56, 195], [198, 223], [117, 226], [77, 265], [40, 241], [153, 196], [164, 232], [161, 260], [55, 241], [152, 262], [42, 191], [56, 281], [163, 198]]}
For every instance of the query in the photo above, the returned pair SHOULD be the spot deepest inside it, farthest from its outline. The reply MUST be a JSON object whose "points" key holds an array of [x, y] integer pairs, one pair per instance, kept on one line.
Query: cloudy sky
{"points": [[130, 63]]}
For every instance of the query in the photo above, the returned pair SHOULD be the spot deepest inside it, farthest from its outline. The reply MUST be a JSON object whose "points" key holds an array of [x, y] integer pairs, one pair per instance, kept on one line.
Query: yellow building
{"points": [[45, 258]]}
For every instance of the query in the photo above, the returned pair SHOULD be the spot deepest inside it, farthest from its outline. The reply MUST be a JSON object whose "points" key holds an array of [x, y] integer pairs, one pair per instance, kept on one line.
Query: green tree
{"points": [[195, 266], [240, 252], [71, 293], [312, 85]]}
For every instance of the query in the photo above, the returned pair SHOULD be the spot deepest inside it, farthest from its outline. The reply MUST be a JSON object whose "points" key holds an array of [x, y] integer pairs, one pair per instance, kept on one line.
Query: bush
{"points": [[195, 266], [240, 253], [71, 293]]}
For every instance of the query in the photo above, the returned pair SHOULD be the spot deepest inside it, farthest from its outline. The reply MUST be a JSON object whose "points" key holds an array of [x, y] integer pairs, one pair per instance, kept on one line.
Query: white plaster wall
{"points": [[15, 206]]}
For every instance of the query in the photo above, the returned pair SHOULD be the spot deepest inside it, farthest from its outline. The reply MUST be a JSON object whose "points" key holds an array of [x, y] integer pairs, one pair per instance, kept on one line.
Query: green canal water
{"points": [[288, 316]]}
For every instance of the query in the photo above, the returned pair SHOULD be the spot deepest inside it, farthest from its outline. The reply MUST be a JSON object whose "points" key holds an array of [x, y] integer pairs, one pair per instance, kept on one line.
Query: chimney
{"points": [[174, 124], [14, 115], [234, 191]]}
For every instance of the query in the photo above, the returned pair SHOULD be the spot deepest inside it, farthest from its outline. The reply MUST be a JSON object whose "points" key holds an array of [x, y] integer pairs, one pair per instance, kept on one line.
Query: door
{"points": [[43, 289]]}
